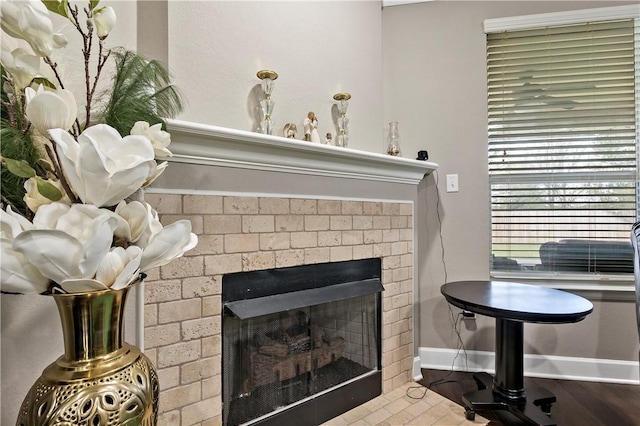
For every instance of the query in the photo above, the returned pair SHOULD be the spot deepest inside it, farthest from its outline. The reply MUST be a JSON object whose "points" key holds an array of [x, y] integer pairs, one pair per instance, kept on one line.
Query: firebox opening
{"points": [[301, 337]]}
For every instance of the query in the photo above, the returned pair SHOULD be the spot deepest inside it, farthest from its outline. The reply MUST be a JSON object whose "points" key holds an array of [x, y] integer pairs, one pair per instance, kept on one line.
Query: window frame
{"points": [[594, 285]]}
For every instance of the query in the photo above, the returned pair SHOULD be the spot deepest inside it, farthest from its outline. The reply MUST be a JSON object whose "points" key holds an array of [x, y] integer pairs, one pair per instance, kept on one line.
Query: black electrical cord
{"points": [[455, 321]]}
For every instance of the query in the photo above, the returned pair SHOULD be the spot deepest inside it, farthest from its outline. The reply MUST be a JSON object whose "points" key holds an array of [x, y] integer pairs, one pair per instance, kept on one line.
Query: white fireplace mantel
{"points": [[206, 144]]}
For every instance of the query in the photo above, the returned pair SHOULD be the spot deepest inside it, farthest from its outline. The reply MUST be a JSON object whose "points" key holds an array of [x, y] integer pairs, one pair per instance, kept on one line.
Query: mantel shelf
{"points": [[206, 144]]}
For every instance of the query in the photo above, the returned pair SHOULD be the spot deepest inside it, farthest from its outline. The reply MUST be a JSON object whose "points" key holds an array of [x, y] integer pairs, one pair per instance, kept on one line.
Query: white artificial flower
{"points": [[18, 275], [117, 269], [158, 137], [73, 220], [170, 243], [159, 170], [104, 20], [142, 219], [73, 250], [34, 199], [29, 20], [103, 168], [120, 267], [19, 63], [47, 109], [12, 223]]}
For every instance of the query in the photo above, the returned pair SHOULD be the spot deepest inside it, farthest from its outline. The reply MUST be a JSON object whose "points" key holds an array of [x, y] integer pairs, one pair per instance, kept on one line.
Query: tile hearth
{"points": [[407, 405]]}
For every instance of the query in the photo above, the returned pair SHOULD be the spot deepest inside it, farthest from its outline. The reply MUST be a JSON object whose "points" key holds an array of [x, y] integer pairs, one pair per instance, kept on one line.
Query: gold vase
{"points": [[100, 380]]}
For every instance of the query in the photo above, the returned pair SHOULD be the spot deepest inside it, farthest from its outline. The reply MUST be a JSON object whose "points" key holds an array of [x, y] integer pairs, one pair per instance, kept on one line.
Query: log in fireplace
{"points": [[301, 345]]}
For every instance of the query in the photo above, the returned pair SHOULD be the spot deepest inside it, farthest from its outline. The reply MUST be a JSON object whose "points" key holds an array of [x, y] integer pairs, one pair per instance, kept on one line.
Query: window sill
{"points": [[593, 287]]}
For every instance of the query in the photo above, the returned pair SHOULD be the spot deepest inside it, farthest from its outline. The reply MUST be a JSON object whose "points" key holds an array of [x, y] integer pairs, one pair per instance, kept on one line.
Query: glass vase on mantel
{"points": [[99, 380], [393, 139]]}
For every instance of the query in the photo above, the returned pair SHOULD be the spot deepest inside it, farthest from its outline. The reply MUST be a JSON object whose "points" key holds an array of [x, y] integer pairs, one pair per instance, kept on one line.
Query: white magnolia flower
{"points": [[47, 109], [29, 20], [170, 243], [142, 219], [18, 275], [120, 267], [104, 20], [159, 170], [12, 224], [34, 199], [19, 63], [103, 168], [73, 249], [73, 219], [158, 137], [117, 270]]}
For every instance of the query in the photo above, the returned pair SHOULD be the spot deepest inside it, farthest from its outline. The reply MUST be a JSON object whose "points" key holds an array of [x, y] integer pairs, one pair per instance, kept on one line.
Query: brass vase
{"points": [[100, 380]]}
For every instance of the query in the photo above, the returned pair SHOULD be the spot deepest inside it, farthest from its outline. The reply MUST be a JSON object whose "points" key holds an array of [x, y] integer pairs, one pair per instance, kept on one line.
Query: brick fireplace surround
{"points": [[259, 230]]}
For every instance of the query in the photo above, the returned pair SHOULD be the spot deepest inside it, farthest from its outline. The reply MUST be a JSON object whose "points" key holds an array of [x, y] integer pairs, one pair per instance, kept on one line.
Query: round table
{"points": [[513, 304]]}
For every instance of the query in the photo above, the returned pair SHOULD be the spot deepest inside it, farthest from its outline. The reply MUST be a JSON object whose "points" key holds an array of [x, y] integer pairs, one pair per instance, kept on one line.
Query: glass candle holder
{"points": [[342, 138], [393, 139], [266, 105]]}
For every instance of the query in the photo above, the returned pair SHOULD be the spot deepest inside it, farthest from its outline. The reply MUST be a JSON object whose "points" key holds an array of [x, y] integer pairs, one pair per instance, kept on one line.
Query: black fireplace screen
{"points": [[279, 359]]}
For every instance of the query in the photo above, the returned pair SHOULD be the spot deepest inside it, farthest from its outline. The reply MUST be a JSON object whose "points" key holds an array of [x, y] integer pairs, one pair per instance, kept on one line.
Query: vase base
{"points": [[125, 394]]}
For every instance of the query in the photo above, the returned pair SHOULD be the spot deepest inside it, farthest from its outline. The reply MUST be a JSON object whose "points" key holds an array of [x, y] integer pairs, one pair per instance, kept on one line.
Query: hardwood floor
{"points": [[578, 403]]}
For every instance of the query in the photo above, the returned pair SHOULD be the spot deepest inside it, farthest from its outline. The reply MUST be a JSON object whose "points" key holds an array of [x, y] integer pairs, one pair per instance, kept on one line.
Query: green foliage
{"points": [[140, 91], [57, 6], [19, 168], [17, 146], [45, 82], [48, 190]]}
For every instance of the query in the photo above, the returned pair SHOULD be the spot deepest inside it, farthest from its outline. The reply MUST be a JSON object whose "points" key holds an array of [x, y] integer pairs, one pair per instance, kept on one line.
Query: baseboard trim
{"points": [[416, 373], [545, 366]]}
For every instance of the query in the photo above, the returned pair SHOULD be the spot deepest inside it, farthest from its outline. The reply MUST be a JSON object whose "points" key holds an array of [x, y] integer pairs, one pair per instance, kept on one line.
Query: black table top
{"points": [[516, 301]]}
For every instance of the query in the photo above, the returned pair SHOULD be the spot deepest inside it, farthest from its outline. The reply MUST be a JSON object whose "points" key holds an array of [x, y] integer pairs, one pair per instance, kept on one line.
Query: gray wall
{"points": [[435, 86]]}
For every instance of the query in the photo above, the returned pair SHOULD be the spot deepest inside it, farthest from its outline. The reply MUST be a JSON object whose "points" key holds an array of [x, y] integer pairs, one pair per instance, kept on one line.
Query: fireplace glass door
{"points": [[274, 361]]}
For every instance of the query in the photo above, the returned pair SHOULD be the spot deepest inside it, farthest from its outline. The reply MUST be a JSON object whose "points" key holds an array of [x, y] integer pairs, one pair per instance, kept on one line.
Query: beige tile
{"points": [[378, 416], [396, 393], [401, 418], [397, 406], [428, 418], [439, 410], [417, 408], [376, 403], [356, 414], [450, 419]]}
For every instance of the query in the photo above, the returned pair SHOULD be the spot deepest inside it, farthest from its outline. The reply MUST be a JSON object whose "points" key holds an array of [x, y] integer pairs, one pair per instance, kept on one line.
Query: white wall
{"points": [[318, 48]]}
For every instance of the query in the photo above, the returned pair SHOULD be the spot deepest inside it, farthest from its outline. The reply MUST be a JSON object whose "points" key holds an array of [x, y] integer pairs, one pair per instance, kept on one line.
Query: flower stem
{"points": [[86, 51], [54, 66], [53, 155]]}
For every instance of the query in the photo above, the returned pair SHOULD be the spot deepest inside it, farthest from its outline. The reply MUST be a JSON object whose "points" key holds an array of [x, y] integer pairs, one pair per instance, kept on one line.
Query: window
{"points": [[563, 159]]}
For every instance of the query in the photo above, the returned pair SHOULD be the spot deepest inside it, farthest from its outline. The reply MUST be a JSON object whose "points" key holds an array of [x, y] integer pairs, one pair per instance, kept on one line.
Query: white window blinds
{"points": [[562, 147]]}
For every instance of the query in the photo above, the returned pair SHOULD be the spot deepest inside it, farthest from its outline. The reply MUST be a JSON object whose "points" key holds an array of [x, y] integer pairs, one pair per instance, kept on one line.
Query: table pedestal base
{"points": [[533, 409]]}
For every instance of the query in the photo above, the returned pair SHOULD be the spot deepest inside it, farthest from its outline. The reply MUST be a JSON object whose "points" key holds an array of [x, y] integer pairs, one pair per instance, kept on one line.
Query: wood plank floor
{"points": [[578, 403]]}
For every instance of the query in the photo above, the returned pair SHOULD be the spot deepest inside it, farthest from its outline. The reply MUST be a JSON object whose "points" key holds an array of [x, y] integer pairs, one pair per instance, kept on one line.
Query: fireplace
{"points": [[183, 300], [300, 345]]}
